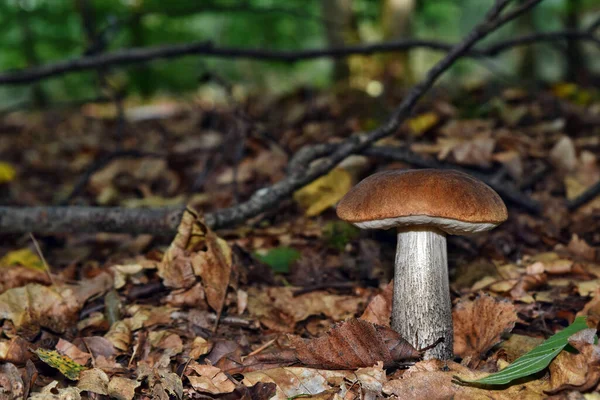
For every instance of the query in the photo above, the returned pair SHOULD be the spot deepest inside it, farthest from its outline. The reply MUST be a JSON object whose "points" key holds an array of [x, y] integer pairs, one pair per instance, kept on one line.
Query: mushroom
{"points": [[423, 205]]}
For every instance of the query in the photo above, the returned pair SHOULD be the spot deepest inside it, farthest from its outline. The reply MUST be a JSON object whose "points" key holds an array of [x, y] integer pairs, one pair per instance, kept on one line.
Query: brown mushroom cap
{"points": [[449, 200]]}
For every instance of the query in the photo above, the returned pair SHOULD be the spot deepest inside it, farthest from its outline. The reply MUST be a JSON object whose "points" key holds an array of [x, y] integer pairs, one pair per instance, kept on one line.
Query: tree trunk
{"points": [[396, 22], [337, 22]]}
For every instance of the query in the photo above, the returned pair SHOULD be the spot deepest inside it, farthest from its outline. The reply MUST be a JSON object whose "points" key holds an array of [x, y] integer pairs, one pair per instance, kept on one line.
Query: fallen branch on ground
{"points": [[207, 48], [154, 221], [584, 197]]}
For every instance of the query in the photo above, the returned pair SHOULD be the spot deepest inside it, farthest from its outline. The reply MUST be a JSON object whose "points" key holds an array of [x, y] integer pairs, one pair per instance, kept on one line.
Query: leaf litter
{"points": [[295, 303]]}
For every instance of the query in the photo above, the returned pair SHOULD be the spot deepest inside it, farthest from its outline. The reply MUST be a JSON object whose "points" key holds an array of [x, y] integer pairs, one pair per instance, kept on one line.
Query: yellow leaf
{"points": [[7, 172], [64, 364], [572, 92], [24, 257], [325, 192], [564, 90], [422, 123]]}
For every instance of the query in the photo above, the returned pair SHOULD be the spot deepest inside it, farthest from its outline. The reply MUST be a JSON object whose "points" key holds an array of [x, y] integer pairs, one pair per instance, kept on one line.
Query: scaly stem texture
{"points": [[421, 310]]}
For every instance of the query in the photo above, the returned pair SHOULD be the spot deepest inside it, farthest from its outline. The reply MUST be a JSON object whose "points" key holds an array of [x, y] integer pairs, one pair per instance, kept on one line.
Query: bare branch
{"points": [[157, 221], [584, 197], [140, 55]]}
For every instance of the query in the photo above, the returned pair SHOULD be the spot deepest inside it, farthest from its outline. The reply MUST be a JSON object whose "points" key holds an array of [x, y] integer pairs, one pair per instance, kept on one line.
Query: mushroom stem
{"points": [[422, 311]]}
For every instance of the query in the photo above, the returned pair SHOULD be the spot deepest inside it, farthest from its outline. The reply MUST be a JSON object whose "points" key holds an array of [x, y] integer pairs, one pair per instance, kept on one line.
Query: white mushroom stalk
{"points": [[421, 309]]}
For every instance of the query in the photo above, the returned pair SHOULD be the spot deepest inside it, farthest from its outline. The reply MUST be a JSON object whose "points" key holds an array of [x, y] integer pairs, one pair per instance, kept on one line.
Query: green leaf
{"points": [[533, 361], [279, 258]]}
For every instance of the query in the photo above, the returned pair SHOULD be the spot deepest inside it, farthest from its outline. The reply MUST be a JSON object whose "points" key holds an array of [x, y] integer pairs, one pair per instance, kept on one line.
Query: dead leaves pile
{"points": [[204, 318]]}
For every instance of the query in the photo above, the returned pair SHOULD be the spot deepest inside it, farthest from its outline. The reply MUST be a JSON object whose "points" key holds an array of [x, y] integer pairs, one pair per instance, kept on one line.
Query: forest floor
{"points": [[294, 303]]}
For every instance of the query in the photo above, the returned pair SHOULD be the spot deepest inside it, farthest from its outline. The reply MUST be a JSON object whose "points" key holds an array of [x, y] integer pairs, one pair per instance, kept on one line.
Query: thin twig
{"points": [[39, 251]]}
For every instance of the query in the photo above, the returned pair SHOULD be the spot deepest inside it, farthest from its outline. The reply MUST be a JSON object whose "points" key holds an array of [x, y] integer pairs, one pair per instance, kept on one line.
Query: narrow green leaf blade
{"points": [[535, 360]]}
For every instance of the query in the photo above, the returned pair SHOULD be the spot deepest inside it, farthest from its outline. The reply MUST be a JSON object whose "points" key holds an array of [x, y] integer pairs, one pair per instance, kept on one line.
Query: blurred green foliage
{"points": [[35, 32], [279, 258]]}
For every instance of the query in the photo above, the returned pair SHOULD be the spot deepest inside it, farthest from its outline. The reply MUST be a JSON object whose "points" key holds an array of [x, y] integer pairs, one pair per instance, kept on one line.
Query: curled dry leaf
{"points": [[208, 379], [480, 324], [579, 371], [198, 251], [379, 309], [354, 344]]}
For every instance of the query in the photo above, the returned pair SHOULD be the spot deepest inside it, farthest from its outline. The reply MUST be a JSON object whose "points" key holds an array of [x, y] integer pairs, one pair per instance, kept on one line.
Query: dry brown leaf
{"points": [[56, 307], [93, 380], [278, 309], [166, 341], [379, 309], [11, 383], [479, 325], [15, 350], [579, 371], [208, 379], [296, 381], [580, 248], [198, 251], [511, 160], [476, 151], [434, 380], [121, 388], [354, 344], [70, 350], [563, 155], [119, 335], [162, 382]]}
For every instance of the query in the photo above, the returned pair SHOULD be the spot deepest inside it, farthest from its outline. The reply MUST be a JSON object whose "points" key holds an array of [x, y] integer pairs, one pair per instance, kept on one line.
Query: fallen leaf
{"points": [[580, 248], [434, 380], [7, 172], [198, 251], [64, 364], [422, 123], [324, 192], [379, 309], [279, 258], [15, 350], [70, 350], [24, 257], [579, 371], [56, 308], [563, 155], [298, 382], [353, 344], [122, 388], [11, 383], [48, 393], [479, 325], [476, 151], [208, 379], [93, 380]]}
